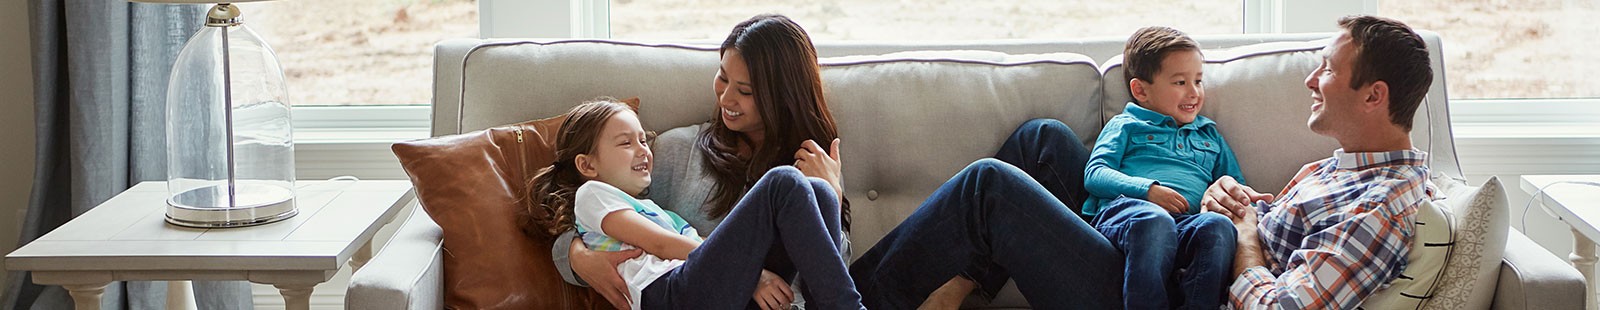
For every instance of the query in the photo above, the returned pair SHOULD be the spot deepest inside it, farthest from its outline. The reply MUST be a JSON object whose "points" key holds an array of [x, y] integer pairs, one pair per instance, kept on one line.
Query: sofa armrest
{"points": [[1532, 278], [407, 273]]}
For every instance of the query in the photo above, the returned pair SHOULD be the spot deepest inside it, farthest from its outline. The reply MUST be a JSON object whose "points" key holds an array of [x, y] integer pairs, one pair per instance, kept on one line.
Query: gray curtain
{"points": [[100, 71]]}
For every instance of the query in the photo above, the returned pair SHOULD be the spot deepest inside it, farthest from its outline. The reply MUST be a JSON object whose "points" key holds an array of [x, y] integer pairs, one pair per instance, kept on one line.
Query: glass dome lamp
{"points": [[230, 152]]}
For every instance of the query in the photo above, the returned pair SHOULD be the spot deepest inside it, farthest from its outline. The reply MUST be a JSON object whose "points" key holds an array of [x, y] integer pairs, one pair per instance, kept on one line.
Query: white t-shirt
{"points": [[594, 200]]}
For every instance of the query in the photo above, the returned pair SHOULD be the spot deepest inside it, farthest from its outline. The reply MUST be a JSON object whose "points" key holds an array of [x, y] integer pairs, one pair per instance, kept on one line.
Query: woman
{"points": [[770, 113]]}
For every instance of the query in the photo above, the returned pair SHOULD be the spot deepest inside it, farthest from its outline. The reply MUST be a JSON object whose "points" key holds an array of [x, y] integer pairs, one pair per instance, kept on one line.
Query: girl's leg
{"points": [[779, 209], [992, 212]]}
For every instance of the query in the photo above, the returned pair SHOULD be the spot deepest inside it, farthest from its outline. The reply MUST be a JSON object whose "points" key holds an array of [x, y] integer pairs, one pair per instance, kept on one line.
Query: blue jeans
{"points": [[786, 223], [994, 221], [1200, 246]]}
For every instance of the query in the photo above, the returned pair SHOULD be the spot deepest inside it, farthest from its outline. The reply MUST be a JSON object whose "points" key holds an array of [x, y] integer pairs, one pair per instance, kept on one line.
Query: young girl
{"points": [[603, 163]]}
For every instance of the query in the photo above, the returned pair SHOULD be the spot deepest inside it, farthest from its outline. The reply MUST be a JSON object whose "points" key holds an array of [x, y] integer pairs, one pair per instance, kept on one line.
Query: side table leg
{"points": [[86, 296], [296, 296], [1583, 258], [361, 257]]}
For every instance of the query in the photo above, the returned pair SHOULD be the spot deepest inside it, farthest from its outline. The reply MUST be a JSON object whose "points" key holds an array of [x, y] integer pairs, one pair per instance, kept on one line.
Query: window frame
{"points": [[354, 140]]}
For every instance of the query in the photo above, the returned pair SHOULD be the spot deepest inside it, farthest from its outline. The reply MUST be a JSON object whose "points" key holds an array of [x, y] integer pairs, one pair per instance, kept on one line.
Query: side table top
{"points": [[129, 232], [1577, 205]]}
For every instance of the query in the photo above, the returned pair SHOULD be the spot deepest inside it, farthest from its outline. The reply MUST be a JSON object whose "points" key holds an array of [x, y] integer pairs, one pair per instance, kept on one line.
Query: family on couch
{"points": [[1158, 206]]}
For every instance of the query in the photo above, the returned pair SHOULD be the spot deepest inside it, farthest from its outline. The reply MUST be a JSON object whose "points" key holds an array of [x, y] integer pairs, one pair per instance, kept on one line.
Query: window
{"points": [[359, 52], [1511, 49], [925, 20]]}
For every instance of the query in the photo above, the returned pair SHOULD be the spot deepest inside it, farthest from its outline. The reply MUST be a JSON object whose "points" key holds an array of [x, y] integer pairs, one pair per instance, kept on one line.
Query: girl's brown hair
{"points": [[787, 83], [550, 192]]}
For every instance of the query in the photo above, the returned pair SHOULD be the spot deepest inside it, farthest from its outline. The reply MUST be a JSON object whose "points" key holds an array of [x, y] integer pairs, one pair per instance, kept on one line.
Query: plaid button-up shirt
{"points": [[1339, 231]]}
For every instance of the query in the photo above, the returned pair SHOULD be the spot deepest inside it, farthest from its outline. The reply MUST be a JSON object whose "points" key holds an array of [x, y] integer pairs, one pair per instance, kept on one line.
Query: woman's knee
{"points": [[1047, 128]]}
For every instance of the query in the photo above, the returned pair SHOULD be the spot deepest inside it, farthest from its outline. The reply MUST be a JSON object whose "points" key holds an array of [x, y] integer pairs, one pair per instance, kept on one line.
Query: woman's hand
{"points": [[772, 293], [599, 269], [814, 162], [1168, 199]]}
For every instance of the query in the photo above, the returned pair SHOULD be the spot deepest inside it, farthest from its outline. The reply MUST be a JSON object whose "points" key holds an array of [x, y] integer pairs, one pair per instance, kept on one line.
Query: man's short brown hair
{"points": [[1141, 57], [1388, 50]]}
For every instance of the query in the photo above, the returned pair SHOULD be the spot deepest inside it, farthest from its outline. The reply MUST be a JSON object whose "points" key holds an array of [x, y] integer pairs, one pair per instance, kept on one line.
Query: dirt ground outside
{"points": [[379, 52]]}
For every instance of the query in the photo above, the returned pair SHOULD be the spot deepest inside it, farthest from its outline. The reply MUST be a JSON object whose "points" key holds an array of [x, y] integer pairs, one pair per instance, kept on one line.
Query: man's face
{"points": [[1334, 105]]}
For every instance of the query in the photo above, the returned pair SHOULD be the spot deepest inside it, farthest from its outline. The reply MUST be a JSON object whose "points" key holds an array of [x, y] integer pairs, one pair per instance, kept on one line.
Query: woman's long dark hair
{"points": [[787, 85], [550, 193]]}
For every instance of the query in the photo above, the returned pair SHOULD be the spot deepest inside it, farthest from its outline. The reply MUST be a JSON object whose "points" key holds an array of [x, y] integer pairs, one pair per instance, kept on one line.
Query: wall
{"points": [[16, 121]]}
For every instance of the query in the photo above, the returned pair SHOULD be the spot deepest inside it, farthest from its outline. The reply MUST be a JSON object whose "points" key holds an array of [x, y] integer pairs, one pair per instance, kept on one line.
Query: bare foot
{"points": [[950, 295]]}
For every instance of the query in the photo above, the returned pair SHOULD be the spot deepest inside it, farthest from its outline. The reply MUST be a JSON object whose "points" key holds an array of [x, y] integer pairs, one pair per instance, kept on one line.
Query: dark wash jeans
{"points": [[787, 224], [1185, 258], [1007, 218]]}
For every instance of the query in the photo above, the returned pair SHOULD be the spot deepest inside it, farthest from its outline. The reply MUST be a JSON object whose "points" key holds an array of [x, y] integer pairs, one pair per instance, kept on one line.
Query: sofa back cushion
{"points": [[966, 103]]}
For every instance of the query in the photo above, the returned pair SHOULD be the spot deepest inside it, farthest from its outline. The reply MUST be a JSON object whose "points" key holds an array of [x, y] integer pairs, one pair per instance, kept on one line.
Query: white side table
{"points": [[127, 239], [1577, 205]]}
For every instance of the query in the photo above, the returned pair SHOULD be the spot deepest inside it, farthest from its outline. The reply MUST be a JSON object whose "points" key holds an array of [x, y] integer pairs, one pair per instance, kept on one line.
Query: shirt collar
{"points": [[1356, 161], [1148, 115]]}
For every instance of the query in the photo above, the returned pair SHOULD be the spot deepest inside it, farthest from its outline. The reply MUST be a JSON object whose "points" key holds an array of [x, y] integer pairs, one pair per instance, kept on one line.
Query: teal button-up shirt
{"points": [[1140, 148]]}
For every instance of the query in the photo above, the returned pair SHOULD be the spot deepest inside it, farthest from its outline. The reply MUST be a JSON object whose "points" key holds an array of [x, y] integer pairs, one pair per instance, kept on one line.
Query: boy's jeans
{"points": [[999, 220], [1185, 257]]}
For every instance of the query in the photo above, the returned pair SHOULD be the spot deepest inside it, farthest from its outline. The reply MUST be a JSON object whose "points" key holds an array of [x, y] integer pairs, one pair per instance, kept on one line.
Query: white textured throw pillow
{"points": [[1472, 271], [1430, 248]]}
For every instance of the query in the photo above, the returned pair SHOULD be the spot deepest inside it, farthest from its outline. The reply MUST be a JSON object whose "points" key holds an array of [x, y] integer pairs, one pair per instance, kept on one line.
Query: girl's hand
{"points": [[814, 162], [772, 293], [1168, 199], [599, 269]]}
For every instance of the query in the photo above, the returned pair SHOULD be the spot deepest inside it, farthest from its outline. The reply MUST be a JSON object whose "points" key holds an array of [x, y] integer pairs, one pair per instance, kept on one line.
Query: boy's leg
{"points": [[1205, 252], [1148, 237], [992, 212], [1052, 154], [779, 209]]}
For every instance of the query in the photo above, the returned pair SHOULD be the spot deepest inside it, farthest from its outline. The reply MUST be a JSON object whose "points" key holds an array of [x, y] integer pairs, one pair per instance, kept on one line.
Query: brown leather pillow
{"points": [[472, 185]]}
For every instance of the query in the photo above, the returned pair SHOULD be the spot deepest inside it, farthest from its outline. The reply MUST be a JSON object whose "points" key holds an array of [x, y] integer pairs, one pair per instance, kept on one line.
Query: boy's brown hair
{"points": [[1388, 50], [1141, 58]]}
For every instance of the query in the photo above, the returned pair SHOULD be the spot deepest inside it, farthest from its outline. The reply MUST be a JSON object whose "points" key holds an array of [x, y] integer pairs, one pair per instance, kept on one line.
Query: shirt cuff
{"points": [[559, 253], [1251, 287]]}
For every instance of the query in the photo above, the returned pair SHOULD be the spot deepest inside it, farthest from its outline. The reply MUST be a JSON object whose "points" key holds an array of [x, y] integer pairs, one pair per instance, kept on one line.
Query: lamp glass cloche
{"points": [[230, 147]]}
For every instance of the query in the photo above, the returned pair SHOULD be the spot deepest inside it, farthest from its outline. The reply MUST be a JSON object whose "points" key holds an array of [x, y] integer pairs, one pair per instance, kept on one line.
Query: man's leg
{"points": [[992, 212], [1147, 235]]}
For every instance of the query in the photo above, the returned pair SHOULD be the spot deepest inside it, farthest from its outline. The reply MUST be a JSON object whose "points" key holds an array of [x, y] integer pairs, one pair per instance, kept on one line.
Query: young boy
{"points": [[1147, 171]]}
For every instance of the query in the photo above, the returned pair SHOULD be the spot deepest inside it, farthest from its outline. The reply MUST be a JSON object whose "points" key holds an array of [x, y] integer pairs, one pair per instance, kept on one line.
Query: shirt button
{"points": [[1208, 143], [872, 195], [1180, 146], [1150, 137]]}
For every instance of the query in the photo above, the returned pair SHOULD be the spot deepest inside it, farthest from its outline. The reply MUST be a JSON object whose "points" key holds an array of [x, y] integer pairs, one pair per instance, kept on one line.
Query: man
{"points": [[1342, 227]]}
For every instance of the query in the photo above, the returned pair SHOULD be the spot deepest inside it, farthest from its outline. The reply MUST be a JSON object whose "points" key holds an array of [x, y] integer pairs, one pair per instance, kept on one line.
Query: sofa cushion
{"points": [[966, 103], [472, 185], [1258, 98], [1473, 268], [1430, 247]]}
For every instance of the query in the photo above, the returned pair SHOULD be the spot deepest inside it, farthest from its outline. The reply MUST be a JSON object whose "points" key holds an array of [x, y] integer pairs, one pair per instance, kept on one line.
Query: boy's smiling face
{"points": [[1175, 89]]}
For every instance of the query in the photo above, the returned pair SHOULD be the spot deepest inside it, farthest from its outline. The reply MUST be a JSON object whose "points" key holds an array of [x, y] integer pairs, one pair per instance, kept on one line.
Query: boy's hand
{"points": [[1168, 199], [772, 293]]}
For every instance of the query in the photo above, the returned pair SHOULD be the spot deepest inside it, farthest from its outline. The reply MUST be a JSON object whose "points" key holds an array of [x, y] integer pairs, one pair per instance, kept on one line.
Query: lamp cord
{"points": [[1535, 197]]}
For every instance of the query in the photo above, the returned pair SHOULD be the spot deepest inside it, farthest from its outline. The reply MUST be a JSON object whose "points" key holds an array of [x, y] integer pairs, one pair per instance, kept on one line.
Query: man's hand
{"points": [[1168, 199], [772, 293], [599, 269], [815, 162], [1248, 252], [1228, 197]]}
